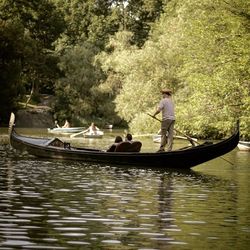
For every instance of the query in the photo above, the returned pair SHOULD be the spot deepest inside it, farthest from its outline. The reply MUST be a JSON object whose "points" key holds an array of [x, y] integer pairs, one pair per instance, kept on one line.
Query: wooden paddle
{"points": [[79, 133], [192, 141]]}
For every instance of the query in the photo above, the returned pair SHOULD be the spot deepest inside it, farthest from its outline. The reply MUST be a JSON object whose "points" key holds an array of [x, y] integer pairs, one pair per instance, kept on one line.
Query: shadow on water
{"points": [[56, 204]]}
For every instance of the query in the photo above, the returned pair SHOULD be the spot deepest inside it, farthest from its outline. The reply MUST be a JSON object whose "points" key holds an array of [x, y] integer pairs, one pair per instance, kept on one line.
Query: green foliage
{"points": [[87, 21], [200, 49], [91, 22], [28, 29], [215, 48], [11, 47], [138, 16], [77, 94], [142, 74], [143, 124], [94, 21], [74, 91]]}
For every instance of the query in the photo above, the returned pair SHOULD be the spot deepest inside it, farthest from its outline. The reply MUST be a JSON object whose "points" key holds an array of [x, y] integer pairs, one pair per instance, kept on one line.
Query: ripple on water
{"points": [[194, 222], [81, 243], [111, 241], [73, 234], [16, 243], [35, 246], [57, 205], [70, 229]]}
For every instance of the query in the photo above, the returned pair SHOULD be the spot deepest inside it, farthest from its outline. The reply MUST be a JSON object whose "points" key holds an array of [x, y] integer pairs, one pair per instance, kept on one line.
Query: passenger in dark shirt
{"points": [[118, 139]]}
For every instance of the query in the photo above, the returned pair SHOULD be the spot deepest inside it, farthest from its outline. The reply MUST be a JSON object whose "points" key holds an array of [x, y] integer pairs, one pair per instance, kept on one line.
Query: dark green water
{"points": [[48, 204]]}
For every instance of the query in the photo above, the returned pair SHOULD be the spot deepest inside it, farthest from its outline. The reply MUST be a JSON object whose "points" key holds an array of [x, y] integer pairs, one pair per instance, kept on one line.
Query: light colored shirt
{"points": [[166, 105]]}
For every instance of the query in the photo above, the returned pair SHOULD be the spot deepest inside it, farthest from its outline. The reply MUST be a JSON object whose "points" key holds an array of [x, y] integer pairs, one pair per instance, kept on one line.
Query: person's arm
{"points": [[157, 112], [65, 125], [159, 108]]}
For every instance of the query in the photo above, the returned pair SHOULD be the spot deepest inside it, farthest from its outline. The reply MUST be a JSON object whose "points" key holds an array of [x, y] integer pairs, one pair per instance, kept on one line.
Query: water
{"points": [[50, 204]]}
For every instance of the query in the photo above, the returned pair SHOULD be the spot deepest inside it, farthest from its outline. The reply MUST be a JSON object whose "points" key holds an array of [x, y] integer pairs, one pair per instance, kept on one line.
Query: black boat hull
{"points": [[175, 159]]}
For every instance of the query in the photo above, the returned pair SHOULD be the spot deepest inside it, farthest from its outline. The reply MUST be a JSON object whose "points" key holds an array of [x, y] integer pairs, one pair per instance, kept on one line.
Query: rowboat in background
{"points": [[244, 146], [109, 126], [184, 158], [96, 134], [65, 130]]}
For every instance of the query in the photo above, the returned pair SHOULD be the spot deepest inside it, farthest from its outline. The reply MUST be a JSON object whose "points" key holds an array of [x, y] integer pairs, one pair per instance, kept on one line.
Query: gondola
{"points": [[178, 159]]}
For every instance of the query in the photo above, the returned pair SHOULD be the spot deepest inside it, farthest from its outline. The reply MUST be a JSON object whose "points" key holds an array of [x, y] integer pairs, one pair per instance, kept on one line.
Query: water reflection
{"points": [[73, 205]]}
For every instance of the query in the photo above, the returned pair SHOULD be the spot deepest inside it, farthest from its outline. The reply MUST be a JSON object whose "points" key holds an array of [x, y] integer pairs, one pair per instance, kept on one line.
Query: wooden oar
{"points": [[192, 141], [79, 133]]}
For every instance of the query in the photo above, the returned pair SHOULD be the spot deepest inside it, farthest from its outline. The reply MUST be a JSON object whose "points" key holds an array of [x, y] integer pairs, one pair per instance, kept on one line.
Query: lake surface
{"points": [[51, 204]]}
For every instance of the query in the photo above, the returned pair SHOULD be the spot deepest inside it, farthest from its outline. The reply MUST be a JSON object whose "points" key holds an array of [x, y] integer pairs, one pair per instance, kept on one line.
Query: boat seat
{"points": [[55, 142], [126, 146]]}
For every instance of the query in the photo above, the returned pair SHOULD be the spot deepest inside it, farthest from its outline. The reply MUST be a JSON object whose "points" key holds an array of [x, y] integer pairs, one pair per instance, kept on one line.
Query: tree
{"points": [[39, 24], [11, 53], [75, 92], [87, 21], [200, 49], [139, 15], [214, 44]]}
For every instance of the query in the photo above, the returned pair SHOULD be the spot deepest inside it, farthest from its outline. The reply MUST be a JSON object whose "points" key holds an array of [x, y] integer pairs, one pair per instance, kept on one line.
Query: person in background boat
{"points": [[66, 124], [56, 124], [118, 139], [166, 106], [92, 129], [128, 137]]}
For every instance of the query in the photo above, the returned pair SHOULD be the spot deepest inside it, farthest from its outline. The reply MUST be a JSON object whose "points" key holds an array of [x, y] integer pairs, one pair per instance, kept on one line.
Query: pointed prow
{"points": [[11, 122]]}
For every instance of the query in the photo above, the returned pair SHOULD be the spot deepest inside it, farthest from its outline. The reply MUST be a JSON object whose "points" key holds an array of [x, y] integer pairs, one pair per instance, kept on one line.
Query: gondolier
{"points": [[166, 106]]}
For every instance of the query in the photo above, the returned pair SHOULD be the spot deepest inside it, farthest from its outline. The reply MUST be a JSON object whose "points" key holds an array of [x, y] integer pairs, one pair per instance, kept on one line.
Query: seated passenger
{"points": [[118, 139], [128, 138], [66, 124], [92, 129], [127, 146]]}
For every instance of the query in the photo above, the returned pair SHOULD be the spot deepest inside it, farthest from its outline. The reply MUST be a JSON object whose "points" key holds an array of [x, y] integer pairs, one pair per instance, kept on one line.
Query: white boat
{"points": [[244, 145], [96, 134], [109, 126], [65, 130]]}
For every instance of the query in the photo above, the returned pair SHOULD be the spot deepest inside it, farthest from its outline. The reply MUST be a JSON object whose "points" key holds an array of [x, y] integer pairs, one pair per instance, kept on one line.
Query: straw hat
{"points": [[166, 91]]}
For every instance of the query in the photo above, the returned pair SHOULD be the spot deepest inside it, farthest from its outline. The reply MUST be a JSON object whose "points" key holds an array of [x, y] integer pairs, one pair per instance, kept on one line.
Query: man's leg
{"points": [[170, 134], [163, 135]]}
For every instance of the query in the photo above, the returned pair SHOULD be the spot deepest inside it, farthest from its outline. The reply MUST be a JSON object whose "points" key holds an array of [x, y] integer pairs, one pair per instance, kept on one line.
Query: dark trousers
{"points": [[167, 127]]}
